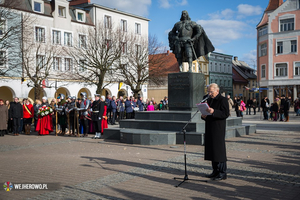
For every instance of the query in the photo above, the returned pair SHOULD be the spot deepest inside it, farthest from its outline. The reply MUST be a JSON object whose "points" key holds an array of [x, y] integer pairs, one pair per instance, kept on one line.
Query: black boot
{"points": [[212, 175]]}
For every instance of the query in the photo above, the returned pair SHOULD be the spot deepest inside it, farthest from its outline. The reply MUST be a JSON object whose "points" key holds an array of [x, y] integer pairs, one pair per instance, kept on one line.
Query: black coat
{"points": [[98, 109], [16, 110], [215, 129]]}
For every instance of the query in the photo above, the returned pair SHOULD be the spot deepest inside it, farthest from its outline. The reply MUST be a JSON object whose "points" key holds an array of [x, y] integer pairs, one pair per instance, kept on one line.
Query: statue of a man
{"points": [[188, 41]]}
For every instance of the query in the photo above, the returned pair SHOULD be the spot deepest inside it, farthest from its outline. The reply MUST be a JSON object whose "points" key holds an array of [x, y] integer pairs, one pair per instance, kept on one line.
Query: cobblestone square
{"points": [[265, 165]]}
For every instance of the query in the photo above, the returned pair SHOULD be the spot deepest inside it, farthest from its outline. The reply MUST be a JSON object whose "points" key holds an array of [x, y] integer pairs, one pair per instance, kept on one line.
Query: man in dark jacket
{"points": [[16, 114], [215, 128], [97, 115], [113, 105], [108, 114], [140, 104], [249, 106], [128, 108], [265, 106]]}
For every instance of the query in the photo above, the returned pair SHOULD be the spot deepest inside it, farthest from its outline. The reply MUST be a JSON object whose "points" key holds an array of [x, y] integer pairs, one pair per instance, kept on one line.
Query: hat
{"points": [[103, 97], [69, 97], [97, 95], [44, 98]]}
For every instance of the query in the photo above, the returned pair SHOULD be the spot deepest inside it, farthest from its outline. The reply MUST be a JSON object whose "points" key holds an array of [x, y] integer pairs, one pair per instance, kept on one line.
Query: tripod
{"points": [[185, 178]]}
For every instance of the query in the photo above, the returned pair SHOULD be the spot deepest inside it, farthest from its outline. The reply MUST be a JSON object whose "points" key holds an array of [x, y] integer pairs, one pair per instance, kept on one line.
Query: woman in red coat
{"points": [[104, 118], [28, 113]]}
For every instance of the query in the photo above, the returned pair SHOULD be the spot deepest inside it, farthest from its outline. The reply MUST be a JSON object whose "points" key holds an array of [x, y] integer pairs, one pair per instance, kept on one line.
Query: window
{"points": [[40, 61], [82, 41], [37, 6], [2, 27], [240, 86], [107, 21], [294, 46], [2, 58], [80, 16], [123, 25], [263, 49], [279, 47], [61, 11], [124, 47], [215, 67], [297, 69], [281, 69], [263, 31], [287, 24], [56, 37], [68, 39], [56, 63], [263, 71], [138, 28], [68, 64], [39, 34], [124, 67], [108, 43], [138, 50], [81, 66]]}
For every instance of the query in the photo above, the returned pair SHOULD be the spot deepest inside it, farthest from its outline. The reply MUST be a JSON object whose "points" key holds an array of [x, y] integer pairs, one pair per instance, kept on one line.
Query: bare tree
{"points": [[134, 68], [40, 59], [98, 51]]}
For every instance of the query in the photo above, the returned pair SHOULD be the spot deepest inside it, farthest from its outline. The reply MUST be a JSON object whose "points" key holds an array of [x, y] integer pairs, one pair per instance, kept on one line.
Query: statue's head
{"points": [[185, 16]]}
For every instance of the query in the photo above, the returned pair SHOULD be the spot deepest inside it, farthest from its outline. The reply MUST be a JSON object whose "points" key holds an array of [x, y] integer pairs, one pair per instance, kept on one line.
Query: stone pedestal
{"points": [[185, 90]]}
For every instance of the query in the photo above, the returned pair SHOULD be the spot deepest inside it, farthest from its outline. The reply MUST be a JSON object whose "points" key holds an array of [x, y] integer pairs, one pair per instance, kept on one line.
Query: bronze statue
{"points": [[188, 41]]}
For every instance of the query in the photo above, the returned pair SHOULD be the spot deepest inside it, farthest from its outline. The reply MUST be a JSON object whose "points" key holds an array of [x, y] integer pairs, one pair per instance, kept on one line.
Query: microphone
{"points": [[205, 99]]}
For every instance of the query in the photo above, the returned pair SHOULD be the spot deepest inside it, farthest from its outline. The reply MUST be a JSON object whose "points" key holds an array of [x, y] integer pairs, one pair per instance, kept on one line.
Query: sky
{"points": [[229, 24]]}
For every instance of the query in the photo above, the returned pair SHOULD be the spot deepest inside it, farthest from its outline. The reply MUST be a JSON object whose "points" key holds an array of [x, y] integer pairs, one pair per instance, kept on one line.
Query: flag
{"points": [[120, 85]]}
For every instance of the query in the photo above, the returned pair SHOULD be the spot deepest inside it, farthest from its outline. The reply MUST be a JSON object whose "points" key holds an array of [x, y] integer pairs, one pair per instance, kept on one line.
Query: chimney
{"points": [[168, 52], [235, 58], [78, 2]]}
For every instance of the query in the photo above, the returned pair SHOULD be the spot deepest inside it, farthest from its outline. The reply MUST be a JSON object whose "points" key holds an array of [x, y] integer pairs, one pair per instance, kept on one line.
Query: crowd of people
{"points": [[71, 115], [277, 111]]}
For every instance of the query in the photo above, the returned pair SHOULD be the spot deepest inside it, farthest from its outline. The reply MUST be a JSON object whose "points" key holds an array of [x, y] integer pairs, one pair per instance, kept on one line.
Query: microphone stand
{"points": [[185, 178]]}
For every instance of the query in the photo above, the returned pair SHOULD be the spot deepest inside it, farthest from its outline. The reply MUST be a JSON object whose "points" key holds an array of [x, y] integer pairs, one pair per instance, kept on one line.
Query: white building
{"points": [[61, 24]]}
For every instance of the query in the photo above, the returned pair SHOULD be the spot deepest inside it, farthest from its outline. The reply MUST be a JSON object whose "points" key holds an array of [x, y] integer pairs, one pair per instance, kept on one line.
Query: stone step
{"points": [[147, 137], [179, 116], [163, 125], [198, 138], [158, 137], [166, 125], [111, 133], [190, 138], [238, 131], [168, 115]]}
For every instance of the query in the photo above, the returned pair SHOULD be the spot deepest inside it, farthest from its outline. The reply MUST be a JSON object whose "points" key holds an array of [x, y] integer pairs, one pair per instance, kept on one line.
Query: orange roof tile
{"points": [[274, 4]]}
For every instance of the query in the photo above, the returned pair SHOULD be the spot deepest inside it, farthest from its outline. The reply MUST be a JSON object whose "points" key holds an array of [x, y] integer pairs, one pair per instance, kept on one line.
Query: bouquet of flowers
{"points": [[44, 111]]}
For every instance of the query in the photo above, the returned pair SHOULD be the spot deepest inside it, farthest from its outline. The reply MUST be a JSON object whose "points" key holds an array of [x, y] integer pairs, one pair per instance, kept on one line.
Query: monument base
{"points": [[185, 90]]}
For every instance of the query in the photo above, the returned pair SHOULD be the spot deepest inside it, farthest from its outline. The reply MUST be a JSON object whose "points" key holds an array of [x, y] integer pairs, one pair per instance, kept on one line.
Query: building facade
{"points": [[220, 71], [244, 80], [60, 24], [278, 63]]}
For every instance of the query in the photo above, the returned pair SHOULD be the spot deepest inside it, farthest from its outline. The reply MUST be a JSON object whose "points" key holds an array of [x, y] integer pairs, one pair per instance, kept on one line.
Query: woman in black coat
{"points": [[237, 106], [215, 129]]}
